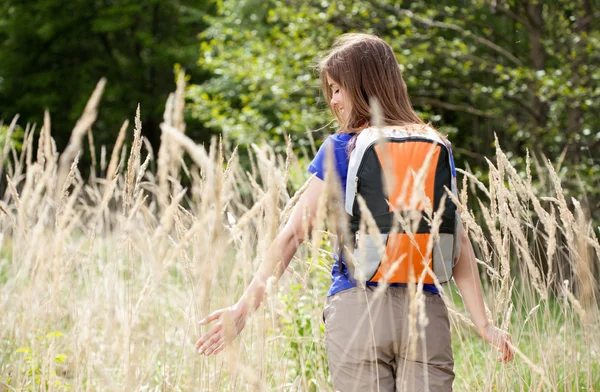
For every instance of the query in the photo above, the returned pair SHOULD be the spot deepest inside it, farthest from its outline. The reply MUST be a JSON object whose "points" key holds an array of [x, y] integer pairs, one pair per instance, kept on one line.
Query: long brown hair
{"points": [[366, 67]]}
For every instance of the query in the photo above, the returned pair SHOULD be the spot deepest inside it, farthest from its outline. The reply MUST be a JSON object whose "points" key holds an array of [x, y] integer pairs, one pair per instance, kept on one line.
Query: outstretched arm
{"points": [[231, 320], [467, 279]]}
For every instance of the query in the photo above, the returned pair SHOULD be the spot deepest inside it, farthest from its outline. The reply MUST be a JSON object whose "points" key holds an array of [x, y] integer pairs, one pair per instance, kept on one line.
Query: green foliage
{"points": [[303, 329], [52, 54], [306, 350], [36, 367], [519, 70], [261, 55], [16, 137]]}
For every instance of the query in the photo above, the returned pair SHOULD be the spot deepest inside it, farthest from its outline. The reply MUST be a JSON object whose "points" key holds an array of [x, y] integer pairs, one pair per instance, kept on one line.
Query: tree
{"points": [[52, 54], [519, 69]]}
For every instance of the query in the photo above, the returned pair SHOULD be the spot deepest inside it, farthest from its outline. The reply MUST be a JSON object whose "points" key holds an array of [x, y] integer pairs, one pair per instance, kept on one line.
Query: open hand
{"points": [[501, 340], [230, 322]]}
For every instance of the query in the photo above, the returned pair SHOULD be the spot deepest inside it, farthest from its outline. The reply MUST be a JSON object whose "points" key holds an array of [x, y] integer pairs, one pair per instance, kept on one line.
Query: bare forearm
{"points": [[275, 263], [467, 279], [284, 246]]}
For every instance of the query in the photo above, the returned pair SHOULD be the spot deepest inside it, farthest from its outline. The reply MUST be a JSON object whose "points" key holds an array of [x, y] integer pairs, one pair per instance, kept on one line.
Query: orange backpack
{"points": [[403, 178]]}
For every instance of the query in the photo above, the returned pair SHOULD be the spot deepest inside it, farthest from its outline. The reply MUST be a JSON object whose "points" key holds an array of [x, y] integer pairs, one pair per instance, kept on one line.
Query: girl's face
{"points": [[339, 98]]}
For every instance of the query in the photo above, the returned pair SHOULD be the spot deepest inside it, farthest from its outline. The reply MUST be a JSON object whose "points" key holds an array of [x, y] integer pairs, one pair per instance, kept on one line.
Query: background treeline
{"points": [[53, 52], [522, 70], [121, 270]]}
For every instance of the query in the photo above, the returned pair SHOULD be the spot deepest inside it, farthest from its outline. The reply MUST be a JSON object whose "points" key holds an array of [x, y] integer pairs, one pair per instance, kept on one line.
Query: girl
{"points": [[366, 332]]}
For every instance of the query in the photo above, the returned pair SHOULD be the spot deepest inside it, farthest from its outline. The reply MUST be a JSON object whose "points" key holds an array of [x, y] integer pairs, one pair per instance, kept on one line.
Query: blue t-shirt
{"points": [[338, 143]]}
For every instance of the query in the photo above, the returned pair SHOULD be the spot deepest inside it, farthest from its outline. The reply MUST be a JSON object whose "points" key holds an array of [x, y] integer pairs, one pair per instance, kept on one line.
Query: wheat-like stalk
{"points": [[124, 266]]}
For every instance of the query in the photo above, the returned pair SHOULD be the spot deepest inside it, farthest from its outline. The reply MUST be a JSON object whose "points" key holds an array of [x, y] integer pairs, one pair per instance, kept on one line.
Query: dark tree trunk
{"points": [[538, 58]]}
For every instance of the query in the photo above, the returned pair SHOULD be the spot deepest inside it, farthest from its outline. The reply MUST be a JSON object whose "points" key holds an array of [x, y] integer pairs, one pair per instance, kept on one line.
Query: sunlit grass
{"points": [[103, 281]]}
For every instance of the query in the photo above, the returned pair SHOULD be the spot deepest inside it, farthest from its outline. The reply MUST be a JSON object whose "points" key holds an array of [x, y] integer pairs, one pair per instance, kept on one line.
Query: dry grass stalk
{"points": [[475, 232], [133, 163], [114, 156], [371, 227], [583, 266], [92, 154], [122, 312], [522, 245], [531, 365], [7, 143], [81, 127], [169, 154], [164, 153], [197, 153], [510, 220], [287, 210], [27, 152], [102, 158], [574, 302], [65, 189], [48, 150], [142, 173], [311, 141], [13, 191], [474, 180], [41, 153]]}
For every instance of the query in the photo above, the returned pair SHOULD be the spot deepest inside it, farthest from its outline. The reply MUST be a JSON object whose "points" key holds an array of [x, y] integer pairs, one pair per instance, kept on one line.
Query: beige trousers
{"points": [[371, 346]]}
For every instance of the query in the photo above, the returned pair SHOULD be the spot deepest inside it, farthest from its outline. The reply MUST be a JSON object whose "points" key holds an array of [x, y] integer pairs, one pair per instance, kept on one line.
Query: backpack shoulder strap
{"points": [[458, 231], [452, 166], [364, 139], [367, 138]]}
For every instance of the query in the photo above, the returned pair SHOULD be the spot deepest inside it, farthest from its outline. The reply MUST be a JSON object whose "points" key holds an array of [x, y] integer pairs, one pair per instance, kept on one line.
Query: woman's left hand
{"points": [[500, 339]]}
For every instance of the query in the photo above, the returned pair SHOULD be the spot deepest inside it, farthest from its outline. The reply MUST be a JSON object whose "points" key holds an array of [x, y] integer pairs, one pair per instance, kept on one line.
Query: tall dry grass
{"points": [[103, 281]]}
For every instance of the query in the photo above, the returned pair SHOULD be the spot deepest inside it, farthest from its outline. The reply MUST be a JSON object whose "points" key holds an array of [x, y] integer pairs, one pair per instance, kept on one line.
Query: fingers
{"points": [[506, 349], [210, 336], [219, 349], [502, 341], [214, 345], [510, 352], [211, 317], [214, 341]]}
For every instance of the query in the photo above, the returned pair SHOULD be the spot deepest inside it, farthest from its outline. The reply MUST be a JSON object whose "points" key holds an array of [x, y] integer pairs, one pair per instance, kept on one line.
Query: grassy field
{"points": [[103, 280]]}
